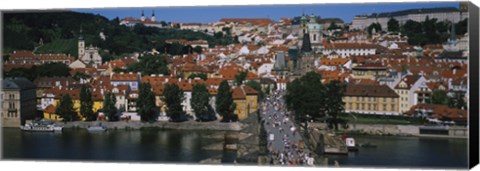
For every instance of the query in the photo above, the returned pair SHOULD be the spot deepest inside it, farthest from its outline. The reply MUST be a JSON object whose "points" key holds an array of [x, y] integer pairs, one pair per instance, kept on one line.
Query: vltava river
{"points": [[159, 146]]}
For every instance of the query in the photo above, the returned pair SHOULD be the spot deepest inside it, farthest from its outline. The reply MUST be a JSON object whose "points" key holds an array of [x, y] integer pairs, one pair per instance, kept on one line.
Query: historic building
{"points": [[18, 101], [88, 55], [246, 99], [371, 99], [310, 27]]}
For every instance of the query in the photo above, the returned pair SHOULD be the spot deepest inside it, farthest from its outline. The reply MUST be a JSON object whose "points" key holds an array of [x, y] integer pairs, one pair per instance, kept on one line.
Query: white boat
{"points": [[350, 142], [96, 129], [57, 128], [37, 127]]}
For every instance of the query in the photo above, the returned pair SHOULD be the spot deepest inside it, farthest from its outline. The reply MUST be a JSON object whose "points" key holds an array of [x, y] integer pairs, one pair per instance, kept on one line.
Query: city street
{"points": [[283, 137]]}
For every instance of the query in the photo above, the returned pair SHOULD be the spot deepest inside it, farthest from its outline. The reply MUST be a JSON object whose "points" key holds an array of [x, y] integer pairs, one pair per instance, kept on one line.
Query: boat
{"points": [[38, 127], [367, 145], [350, 142], [96, 129]]}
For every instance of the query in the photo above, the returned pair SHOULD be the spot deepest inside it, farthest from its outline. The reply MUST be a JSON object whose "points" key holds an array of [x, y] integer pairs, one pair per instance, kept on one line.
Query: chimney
{"points": [[454, 71]]}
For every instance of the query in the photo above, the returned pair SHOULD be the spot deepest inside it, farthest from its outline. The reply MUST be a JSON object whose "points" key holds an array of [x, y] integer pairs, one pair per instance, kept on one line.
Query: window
{"points": [[384, 99], [363, 106], [369, 106], [393, 107], [384, 107], [363, 99]]}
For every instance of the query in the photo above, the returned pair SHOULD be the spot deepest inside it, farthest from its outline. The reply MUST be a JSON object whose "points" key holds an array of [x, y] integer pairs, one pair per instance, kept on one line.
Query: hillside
{"points": [[59, 31]]}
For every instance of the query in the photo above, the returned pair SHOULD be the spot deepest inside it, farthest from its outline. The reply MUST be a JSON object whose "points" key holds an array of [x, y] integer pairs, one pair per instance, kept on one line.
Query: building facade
{"points": [[371, 99], [18, 101]]}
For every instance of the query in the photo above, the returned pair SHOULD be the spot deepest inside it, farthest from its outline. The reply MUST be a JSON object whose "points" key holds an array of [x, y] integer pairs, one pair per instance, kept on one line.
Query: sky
{"points": [[205, 14]]}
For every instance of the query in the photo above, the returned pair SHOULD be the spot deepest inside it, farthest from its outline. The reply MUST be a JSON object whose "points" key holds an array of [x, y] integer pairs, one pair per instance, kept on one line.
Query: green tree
{"points": [[86, 104], [66, 110], [146, 103], [306, 97], [375, 26], [334, 103], [173, 99], [202, 76], [393, 25], [197, 49], [240, 77], [255, 85], [332, 26], [439, 97], [109, 108], [224, 103], [150, 64], [199, 101]]}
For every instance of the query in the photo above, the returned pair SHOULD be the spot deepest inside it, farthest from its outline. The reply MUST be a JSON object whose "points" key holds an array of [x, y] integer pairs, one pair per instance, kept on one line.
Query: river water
{"points": [[159, 146], [181, 146], [412, 152]]}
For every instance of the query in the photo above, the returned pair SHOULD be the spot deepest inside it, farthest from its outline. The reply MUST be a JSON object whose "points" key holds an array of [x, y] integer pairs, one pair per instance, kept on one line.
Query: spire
{"points": [[306, 46], [143, 13], [80, 36], [153, 13], [452, 32]]}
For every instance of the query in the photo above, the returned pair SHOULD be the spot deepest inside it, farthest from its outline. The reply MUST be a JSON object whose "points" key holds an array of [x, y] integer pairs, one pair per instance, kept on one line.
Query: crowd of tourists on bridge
{"points": [[284, 141]]}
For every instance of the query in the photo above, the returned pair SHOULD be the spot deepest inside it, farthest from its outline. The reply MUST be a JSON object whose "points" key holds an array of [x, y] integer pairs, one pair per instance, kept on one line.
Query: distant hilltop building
{"points": [[150, 22], [361, 22]]}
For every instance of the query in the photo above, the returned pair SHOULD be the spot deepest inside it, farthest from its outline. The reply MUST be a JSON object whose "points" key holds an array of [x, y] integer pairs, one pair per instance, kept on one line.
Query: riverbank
{"points": [[394, 130], [136, 125]]}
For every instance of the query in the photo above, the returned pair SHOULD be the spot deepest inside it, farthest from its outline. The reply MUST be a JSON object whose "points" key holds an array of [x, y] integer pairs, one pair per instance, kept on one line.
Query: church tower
{"points": [[153, 16], [81, 44], [142, 18]]}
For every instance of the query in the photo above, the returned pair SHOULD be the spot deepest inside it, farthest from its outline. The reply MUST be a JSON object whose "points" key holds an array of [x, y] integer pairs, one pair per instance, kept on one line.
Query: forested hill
{"points": [[59, 32]]}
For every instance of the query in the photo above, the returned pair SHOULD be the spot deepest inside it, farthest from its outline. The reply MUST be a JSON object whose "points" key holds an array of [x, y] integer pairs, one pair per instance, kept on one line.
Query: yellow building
{"points": [[97, 103], [246, 100], [371, 99], [49, 113]]}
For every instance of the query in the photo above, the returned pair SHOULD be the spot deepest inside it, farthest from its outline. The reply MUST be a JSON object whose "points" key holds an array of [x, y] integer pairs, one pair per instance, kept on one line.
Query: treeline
{"points": [[430, 31], [45, 70]]}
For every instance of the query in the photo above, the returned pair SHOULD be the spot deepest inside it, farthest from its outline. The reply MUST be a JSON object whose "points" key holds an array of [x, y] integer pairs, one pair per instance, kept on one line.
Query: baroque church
{"points": [[303, 58], [88, 55]]}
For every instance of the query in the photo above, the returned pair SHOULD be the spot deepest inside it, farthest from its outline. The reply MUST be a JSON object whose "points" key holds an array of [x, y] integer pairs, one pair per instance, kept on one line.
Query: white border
{"points": [[9, 5]]}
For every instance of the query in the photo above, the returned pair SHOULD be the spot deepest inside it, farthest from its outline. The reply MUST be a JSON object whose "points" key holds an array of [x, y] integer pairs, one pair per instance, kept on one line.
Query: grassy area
{"points": [[381, 119], [67, 46]]}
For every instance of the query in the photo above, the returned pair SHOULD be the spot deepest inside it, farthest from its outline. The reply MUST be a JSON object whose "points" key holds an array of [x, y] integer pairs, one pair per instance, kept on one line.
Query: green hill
{"points": [[67, 46]]}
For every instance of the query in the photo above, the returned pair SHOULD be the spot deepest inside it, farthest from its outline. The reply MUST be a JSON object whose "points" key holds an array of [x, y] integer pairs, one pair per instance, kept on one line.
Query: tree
{"points": [[66, 110], [240, 77], [150, 64], [146, 103], [393, 25], [375, 26], [199, 101], [202, 76], [334, 104], [332, 26], [86, 104], [255, 85], [439, 97], [224, 103], [109, 108], [173, 99], [197, 49]]}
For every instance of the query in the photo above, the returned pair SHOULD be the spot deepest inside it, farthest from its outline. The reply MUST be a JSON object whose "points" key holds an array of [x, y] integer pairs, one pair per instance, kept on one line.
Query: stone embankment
{"points": [[134, 125], [394, 130]]}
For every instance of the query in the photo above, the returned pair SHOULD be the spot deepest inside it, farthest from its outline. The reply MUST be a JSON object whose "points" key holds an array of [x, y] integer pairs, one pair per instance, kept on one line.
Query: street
{"points": [[283, 137]]}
